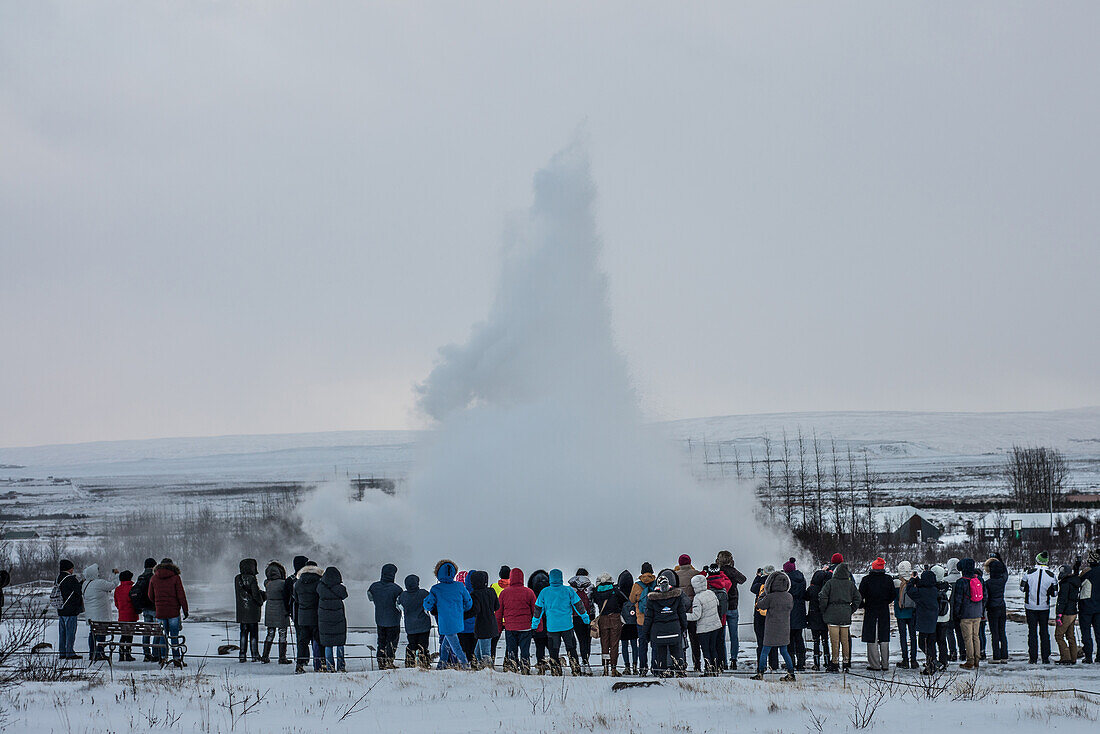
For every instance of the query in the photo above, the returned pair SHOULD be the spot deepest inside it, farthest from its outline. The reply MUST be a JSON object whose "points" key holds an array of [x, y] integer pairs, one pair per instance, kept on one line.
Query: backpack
{"points": [[56, 601], [904, 600], [943, 607], [976, 589]]}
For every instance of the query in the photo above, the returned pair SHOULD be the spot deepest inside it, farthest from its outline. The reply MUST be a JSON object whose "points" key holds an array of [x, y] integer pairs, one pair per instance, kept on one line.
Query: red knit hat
{"points": [[837, 558], [685, 560], [878, 564]]}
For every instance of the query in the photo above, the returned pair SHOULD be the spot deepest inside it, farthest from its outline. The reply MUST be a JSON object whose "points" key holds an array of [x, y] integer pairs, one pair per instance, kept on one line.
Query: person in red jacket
{"points": [[126, 613], [169, 600], [514, 614]]}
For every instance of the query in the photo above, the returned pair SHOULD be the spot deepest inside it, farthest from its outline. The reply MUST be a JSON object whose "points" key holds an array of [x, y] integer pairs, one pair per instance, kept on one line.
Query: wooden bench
{"points": [[112, 632]]}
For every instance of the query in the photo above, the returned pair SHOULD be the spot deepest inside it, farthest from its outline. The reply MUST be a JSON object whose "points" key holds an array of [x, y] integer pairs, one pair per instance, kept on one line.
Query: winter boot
{"points": [[541, 667], [283, 659], [615, 672], [788, 677], [575, 666], [758, 676], [254, 646], [266, 656], [298, 669], [606, 669], [832, 668]]}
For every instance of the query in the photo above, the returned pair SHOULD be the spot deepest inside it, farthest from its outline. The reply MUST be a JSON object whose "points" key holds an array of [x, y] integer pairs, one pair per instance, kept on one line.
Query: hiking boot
{"points": [[903, 665], [832, 668], [758, 676], [298, 670], [788, 678], [967, 666], [847, 665], [615, 672]]}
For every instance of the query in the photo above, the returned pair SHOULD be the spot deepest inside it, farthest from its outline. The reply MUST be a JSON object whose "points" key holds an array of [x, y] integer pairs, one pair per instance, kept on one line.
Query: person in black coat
{"points": [[305, 615], [665, 624], [332, 622], [876, 590], [536, 582], [485, 608], [387, 615], [418, 625], [797, 645], [995, 610], [926, 595], [814, 620], [69, 607]]}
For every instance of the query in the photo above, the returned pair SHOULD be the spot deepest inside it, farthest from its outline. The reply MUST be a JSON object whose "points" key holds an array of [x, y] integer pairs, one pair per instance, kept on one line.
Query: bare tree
{"points": [[769, 476], [752, 461], [737, 460], [803, 498], [788, 487], [869, 488], [853, 528], [1036, 478], [819, 487], [838, 524]]}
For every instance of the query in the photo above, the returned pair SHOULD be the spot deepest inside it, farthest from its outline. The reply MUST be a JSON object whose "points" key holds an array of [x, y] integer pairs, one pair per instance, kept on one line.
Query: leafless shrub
{"points": [[237, 705], [931, 687], [969, 689], [358, 705], [865, 705]]}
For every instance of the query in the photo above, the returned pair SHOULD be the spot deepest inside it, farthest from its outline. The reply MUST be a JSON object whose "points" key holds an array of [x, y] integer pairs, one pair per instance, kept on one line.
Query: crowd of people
{"points": [[946, 613]]}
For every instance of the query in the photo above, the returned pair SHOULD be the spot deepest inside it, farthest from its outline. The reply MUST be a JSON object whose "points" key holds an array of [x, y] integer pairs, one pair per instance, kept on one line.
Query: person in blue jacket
{"points": [[557, 602], [449, 601]]}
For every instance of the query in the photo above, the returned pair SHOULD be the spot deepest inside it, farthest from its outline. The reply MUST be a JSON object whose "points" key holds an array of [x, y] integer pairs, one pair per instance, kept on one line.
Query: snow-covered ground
{"points": [[138, 697]]}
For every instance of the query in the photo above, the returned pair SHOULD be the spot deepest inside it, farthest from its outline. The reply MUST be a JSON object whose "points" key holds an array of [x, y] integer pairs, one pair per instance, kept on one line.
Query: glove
{"points": [[585, 618], [185, 615], [534, 623]]}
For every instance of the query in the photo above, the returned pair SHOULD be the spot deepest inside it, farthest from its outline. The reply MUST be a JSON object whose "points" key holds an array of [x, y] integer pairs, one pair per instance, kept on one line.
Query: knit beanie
{"points": [[788, 566], [662, 584], [837, 558], [878, 564], [1042, 558], [647, 567], [150, 562], [685, 559], [65, 565]]}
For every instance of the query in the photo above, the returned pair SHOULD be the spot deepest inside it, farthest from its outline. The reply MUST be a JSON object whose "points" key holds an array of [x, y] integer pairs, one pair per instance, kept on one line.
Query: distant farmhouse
{"points": [[1026, 526], [905, 524]]}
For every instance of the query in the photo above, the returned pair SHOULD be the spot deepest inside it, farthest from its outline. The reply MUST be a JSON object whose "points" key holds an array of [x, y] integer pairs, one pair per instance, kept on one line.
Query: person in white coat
{"points": [[98, 607], [1039, 586], [708, 622]]}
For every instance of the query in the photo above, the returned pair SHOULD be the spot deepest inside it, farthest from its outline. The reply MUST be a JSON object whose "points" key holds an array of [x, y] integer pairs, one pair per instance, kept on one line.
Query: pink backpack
{"points": [[976, 592]]}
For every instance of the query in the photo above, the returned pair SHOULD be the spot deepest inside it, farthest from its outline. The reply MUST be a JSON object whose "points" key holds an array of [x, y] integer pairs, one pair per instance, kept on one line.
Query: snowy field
{"points": [[138, 697]]}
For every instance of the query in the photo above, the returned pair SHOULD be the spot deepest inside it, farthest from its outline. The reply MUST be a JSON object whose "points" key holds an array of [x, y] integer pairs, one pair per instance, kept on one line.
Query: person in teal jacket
{"points": [[904, 612], [449, 601], [557, 602]]}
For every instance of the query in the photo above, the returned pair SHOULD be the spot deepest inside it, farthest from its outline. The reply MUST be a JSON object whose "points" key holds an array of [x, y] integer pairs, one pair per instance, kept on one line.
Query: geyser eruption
{"points": [[541, 457]]}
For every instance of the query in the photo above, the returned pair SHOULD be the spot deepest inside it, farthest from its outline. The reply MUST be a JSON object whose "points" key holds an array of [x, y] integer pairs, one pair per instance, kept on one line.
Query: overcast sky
{"points": [[222, 217]]}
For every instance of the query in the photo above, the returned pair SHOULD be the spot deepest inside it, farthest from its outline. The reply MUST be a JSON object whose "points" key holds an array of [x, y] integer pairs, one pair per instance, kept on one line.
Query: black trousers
{"points": [[468, 641], [696, 648], [821, 643], [417, 649], [708, 645], [666, 660], [250, 640], [998, 618], [797, 649], [542, 642], [1038, 634], [584, 639], [927, 644], [309, 636], [387, 645], [554, 640], [943, 634]]}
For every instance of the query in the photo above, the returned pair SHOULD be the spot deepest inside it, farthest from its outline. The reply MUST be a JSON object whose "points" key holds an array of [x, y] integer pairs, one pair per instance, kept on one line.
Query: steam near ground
{"points": [[541, 458]]}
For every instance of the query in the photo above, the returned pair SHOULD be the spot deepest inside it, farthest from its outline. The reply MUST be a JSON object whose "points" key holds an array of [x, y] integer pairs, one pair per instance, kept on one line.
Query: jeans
{"points": [[758, 628], [66, 636], [517, 647], [172, 629], [387, 645], [149, 616], [483, 652], [95, 645], [1038, 634], [735, 642], [782, 651], [451, 653], [998, 617], [1090, 625], [334, 657], [629, 650], [643, 648], [907, 631], [416, 652]]}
